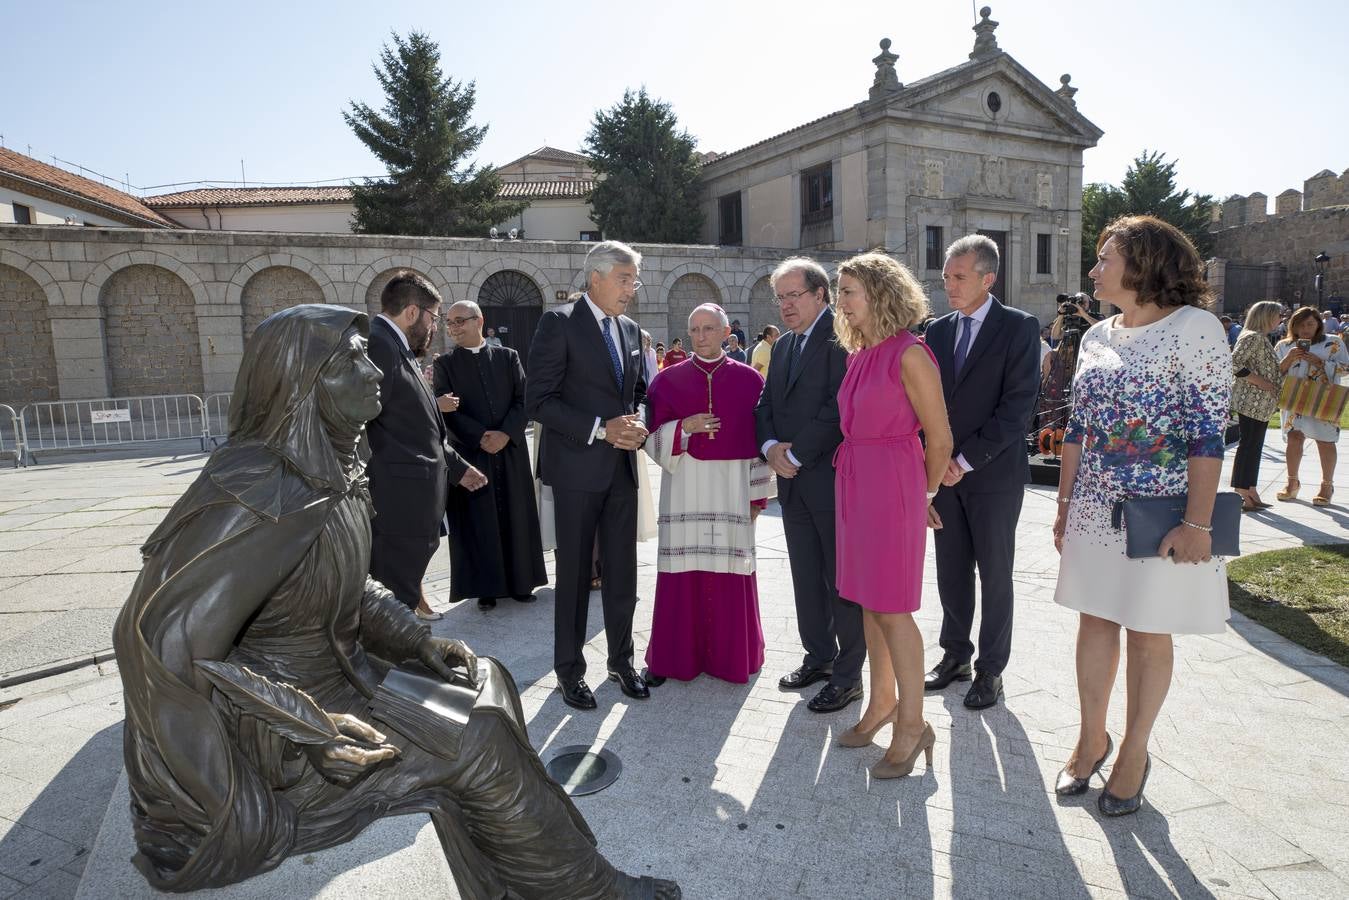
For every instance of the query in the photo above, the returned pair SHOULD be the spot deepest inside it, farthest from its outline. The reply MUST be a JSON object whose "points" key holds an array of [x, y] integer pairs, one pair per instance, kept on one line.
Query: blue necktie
{"points": [[613, 355], [798, 344], [963, 345]]}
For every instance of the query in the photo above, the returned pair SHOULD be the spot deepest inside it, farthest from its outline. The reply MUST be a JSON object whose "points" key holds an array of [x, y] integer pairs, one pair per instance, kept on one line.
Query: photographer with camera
{"points": [[1075, 314]]}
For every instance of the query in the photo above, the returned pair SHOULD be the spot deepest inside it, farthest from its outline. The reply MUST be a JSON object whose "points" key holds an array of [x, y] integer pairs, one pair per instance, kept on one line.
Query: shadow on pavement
{"points": [[51, 840], [1000, 802]]}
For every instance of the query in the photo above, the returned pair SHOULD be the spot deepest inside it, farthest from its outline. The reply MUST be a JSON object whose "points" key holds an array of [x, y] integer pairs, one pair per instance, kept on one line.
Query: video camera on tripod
{"points": [[1071, 307]]}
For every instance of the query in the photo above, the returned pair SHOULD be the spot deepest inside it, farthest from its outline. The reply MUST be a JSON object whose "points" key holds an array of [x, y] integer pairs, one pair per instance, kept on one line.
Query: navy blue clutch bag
{"points": [[1146, 521]]}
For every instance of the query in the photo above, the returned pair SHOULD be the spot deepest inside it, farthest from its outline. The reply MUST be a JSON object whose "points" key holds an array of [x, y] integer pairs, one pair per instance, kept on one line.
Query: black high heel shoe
{"points": [[1068, 785], [1113, 806]]}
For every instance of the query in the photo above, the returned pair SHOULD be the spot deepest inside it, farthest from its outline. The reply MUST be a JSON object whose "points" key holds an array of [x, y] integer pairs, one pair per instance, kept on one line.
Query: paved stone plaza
{"points": [[739, 791]]}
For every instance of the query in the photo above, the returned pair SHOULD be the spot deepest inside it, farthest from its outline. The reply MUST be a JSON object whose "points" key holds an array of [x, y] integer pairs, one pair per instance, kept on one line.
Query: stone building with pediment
{"points": [[984, 146]]}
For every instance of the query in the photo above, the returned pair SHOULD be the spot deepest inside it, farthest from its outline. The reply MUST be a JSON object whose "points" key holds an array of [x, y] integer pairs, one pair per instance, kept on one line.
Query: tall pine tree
{"points": [[423, 135], [648, 184], [1149, 188]]}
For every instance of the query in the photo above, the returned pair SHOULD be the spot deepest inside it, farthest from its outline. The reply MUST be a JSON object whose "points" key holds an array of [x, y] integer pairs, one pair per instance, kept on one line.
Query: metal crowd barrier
{"points": [[217, 418], [11, 436], [109, 422]]}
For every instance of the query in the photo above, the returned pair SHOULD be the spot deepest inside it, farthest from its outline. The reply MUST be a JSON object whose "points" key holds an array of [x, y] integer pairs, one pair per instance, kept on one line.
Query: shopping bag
{"points": [[1316, 399]]}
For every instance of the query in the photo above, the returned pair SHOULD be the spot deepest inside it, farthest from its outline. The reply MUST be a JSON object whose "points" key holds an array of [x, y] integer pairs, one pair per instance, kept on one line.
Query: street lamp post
{"points": [[1321, 259]]}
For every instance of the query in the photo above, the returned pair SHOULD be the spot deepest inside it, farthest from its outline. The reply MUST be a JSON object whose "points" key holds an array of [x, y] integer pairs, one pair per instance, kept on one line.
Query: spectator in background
{"points": [[649, 356], [1307, 352], [763, 350], [675, 355], [734, 350], [1332, 322], [737, 332], [1255, 397]]}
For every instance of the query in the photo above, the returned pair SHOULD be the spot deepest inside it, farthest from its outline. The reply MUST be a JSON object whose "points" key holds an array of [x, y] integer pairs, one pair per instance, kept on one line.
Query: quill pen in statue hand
{"points": [[286, 710]]}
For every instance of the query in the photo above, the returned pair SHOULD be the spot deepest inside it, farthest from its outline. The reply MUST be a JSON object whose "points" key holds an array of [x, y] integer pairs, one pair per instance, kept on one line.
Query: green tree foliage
{"points": [[1149, 188], [423, 135], [648, 190]]}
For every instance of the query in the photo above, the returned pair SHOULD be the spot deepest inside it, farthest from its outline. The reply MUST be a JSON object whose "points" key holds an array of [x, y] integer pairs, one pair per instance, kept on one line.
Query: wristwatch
{"points": [[601, 434]]}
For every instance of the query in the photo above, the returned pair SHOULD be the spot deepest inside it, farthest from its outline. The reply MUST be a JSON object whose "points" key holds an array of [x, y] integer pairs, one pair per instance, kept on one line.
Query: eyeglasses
{"points": [[635, 285], [436, 318], [792, 297], [461, 321]]}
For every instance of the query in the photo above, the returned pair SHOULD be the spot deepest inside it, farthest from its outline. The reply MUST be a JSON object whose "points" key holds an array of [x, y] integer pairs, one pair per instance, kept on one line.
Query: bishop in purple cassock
{"points": [[701, 420]]}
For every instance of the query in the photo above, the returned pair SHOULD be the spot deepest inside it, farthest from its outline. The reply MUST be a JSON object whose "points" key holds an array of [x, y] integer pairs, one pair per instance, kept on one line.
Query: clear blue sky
{"points": [[1247, 95]]}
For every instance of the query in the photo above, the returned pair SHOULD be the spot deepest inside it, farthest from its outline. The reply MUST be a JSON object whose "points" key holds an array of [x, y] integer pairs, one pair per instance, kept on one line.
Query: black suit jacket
{"points": [[803, 410], [409, 458], [990, 403], [571, 381]]}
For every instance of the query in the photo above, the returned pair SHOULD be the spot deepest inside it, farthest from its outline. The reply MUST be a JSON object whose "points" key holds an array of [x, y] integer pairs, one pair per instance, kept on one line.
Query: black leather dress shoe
{"points": [[803, 677], [652, 680], [576, 694], [487, 603], [945, 672], [524, 598], [832, 698], [986, 690], [630, 683]]}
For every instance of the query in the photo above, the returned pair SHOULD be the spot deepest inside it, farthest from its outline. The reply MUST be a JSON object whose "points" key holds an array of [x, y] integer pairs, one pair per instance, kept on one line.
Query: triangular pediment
{"points": [[1022, 101]]}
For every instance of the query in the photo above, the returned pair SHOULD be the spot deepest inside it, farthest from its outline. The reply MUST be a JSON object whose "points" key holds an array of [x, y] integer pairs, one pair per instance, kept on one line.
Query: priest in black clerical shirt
{"points": [[495, 548]]}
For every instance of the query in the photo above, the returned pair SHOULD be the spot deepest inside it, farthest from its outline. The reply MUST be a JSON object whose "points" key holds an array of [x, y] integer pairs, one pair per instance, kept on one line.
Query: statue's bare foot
{"points": [[648, 888]]}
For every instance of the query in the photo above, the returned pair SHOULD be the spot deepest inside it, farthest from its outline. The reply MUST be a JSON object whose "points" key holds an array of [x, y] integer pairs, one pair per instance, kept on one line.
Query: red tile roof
{"points": [[554, 153], [81, 191], [546, 190], [295, 196], [258, 196]]}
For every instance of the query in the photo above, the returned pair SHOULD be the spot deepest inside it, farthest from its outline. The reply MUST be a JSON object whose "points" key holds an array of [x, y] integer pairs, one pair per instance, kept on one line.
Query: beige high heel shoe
{"points": [[1323, 496], [854, 738], [926, 741], [1290, 492]]}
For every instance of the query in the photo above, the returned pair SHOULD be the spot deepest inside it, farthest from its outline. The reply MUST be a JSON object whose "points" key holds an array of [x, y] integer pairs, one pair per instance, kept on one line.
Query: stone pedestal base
{"points": [[394, 858]]}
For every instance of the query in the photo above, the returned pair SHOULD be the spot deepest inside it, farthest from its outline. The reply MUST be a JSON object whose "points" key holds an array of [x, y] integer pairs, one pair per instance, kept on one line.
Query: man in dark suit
{"points": [[586, 380], [798, 430], [989, 358], [409, 459]]}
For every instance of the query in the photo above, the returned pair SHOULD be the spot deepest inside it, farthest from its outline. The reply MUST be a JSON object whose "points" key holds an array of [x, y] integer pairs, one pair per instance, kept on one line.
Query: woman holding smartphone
{"points": [[1307, 352]]}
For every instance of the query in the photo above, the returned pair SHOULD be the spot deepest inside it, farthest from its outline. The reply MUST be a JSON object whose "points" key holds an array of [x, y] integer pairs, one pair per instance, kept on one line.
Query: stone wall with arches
{"points": [[27, 355], [150, 328], [123, 310], [273, 289]]}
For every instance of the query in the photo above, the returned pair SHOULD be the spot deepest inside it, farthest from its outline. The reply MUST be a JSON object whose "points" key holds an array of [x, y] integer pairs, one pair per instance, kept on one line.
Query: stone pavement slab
{"points": [[738, 790]]}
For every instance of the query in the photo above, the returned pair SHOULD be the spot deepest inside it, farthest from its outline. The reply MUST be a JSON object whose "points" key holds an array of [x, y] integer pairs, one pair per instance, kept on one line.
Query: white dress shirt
{"points": [[977, 322], [798, 348], [614, 332]]}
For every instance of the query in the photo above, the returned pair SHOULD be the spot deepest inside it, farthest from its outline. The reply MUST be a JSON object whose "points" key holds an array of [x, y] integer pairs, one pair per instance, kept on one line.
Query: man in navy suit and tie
{"points": [[409, 458], [797, 426], [989, 358], [586, 380]]}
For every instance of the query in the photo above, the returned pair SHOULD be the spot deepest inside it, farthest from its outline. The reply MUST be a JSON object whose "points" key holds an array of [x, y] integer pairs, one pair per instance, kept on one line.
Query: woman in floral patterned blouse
{"points": [[1150, 404], [1255, 396]]}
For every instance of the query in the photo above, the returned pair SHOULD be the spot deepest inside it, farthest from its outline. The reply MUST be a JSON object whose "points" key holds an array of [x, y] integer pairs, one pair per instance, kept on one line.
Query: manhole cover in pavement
{"points": [[582, 770]]}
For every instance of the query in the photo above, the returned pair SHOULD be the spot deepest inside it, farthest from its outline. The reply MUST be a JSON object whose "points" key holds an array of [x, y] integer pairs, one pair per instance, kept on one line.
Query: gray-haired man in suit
{"points": [[797, 427]]}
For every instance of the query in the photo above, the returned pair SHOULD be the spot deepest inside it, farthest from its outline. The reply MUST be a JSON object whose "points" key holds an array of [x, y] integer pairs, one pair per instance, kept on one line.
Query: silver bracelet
{"points": [[1065, 499], [1188, 524]]}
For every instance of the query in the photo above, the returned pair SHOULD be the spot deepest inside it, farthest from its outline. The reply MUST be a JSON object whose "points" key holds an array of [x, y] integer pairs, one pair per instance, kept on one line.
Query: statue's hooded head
{"points": [[278, 397]]}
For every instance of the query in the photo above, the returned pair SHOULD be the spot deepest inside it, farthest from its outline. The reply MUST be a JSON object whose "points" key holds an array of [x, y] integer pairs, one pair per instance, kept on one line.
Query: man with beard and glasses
{"points": [[409, 456]]}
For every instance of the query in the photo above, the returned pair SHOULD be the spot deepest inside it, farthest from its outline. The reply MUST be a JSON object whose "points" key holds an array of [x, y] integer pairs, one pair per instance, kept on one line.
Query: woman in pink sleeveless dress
{"points": [[884, 483]]}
